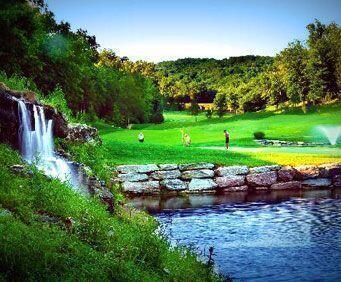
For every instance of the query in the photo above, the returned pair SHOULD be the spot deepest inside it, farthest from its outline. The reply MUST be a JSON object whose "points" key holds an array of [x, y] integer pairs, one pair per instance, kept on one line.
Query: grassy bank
{"points": [[39, 243], [163, 141]]}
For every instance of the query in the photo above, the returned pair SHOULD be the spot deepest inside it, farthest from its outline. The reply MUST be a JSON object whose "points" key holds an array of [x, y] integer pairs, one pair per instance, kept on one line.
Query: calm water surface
{"points": [[276, 236]]}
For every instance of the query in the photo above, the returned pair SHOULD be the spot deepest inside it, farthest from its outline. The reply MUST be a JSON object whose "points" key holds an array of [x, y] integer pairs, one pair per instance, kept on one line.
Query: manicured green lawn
{"points": [[163, 142]]}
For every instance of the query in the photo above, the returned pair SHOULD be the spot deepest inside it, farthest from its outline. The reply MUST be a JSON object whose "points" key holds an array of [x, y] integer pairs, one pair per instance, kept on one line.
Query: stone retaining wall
{"points": [[207, 177]]}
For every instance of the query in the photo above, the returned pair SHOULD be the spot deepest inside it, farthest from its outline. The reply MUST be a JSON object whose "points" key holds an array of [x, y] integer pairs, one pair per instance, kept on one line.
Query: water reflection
{"points": [[156, 204], [276, 236]]}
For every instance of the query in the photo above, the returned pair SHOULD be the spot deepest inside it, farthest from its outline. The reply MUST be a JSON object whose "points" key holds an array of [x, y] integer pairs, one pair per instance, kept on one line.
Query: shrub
{"points": [[157, 117], [259, 135], [56, 99], [208, 113]]}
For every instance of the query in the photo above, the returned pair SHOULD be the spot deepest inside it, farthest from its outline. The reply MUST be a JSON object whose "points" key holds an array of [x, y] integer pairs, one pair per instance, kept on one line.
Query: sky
{"points": [[159, 30]]}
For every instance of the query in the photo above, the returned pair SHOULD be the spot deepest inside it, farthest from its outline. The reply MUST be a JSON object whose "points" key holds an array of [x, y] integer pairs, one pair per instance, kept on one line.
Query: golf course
{"points": [[170, 141], [163, 141]]}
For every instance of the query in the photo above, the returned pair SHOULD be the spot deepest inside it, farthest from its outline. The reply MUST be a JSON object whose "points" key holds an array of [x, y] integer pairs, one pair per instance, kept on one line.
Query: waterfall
{"points": [[36, 144]]}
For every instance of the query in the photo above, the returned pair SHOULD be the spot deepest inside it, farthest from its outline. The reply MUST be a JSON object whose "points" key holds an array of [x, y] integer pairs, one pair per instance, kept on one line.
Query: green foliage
{"points": [[294, 59], [20, 83], [303, 73], [157, 114], [183, 79], [57, 100], [59, 60], [92, 155], [37, 243], [259, 135], [50, 54], [220, 104], [194, 109], [324, 44], [209, 113]]}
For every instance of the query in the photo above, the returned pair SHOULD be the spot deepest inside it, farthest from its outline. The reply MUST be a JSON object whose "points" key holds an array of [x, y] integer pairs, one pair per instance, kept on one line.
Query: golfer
{"points": [[227, 139], [141, 137]]}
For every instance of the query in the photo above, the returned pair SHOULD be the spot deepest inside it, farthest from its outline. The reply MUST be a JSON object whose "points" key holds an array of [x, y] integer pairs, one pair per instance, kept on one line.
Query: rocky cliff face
{"points": [[9, 115]]}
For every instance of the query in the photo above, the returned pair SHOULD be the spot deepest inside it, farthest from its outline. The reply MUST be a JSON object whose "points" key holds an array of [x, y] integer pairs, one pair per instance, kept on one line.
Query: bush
{"points": [[208, 113], [56, 99], [157, 117], [259, 135], [157, 113]]}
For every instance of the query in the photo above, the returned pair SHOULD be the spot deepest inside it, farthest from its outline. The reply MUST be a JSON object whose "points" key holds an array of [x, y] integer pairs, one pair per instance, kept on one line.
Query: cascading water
{"points": [[36, 144], [332, 133]]}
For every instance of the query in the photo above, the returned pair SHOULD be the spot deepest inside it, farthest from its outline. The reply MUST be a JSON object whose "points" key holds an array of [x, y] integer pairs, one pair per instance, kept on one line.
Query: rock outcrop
{"points": [[9, 115], [98, 188], [286, 185], [148, 187], [82, 133], [137, 168], [166, 174]]}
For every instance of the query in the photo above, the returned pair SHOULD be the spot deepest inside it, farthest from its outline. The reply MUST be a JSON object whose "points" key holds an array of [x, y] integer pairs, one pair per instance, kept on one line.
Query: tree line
{"points": [[305, 73]]}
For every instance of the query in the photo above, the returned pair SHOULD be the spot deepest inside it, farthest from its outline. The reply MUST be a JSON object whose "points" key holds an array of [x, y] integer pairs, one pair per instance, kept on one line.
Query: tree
{"points": [[220, 104], [324, 43], [276, 88], [251, 95], [294, 61], [317, 85]]}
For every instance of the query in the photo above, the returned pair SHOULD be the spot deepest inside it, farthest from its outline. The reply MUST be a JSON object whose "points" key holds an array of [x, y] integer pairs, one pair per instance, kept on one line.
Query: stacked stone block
{"points": [[207, 177]]}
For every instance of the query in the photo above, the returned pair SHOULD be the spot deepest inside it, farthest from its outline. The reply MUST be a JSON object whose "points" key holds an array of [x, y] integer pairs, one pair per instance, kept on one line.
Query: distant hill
{"points": [[179, 79]]}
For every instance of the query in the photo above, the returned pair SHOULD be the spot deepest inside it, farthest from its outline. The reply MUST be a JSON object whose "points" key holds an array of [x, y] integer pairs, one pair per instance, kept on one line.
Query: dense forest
{"points": [[59, 63], [199, 80]]}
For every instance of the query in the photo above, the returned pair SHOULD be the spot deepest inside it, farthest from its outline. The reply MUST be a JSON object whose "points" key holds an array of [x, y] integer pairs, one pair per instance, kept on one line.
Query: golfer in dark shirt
{"points": [[227, 138]]}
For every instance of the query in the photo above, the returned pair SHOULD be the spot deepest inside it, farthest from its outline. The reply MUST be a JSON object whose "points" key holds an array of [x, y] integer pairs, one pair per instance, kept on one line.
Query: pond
{"points": [[277, 236]]}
